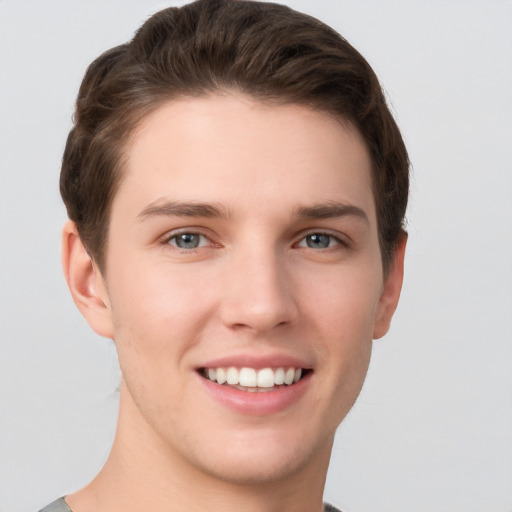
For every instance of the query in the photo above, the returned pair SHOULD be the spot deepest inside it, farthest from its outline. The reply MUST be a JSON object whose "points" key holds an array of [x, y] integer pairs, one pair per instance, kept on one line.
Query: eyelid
{"points": [[166, 239], [342, 239]]}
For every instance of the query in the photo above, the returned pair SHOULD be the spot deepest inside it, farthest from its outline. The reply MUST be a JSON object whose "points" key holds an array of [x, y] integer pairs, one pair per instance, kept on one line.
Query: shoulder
{"points": [[330, 508], [59, 505]]}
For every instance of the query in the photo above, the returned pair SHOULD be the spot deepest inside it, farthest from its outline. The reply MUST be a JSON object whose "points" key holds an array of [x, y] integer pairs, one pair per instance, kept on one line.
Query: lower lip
{"points": [[257, 403]]}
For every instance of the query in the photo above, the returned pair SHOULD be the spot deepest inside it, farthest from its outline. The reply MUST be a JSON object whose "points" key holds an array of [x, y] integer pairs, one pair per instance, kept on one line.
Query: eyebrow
{"points": [[330, 210], [166, 208]]}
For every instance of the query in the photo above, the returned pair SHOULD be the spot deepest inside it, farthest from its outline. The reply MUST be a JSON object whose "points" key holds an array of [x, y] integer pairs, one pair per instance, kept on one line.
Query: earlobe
{"points": [[391, 290], [85, 282]]}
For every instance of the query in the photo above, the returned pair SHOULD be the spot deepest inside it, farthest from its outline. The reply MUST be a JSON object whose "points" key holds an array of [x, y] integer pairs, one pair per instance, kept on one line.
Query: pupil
{"points": [[187, 241], [318, 241]]}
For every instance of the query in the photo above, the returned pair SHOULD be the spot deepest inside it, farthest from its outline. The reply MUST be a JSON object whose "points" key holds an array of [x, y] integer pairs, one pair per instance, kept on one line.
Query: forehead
{"points": [[241, 152]]}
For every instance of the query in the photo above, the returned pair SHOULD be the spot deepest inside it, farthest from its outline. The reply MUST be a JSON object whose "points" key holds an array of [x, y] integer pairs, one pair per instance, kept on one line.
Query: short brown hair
{"points": [[267, 51]]}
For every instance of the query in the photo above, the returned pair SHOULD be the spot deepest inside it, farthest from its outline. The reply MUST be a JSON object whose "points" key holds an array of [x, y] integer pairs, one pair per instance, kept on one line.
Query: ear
{"points": [[391, 290], [85, 282]]}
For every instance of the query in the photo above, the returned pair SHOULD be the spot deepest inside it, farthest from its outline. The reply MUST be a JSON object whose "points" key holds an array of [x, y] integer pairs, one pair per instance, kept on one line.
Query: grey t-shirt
{"points": [[60, 505]]}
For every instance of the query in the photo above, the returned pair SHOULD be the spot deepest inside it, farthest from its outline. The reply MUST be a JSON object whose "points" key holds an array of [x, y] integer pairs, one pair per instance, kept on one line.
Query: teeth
{"points": [[247, 377], [250, 378], [279, 376], [289, 376], [266, 378], [220, 375], [232, 376]]}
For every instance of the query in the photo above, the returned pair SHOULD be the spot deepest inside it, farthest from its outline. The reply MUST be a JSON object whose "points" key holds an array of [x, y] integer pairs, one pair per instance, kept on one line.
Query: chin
{"points": [[255, 471], [264, 459]]}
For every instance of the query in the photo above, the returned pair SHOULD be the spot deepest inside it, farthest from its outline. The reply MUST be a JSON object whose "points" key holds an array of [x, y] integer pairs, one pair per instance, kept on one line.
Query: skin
{"points": [[256, 286]]}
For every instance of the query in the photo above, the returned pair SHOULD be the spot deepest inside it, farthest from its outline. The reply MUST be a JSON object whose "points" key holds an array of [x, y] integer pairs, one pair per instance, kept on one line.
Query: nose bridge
{"points": [[258, 292]]}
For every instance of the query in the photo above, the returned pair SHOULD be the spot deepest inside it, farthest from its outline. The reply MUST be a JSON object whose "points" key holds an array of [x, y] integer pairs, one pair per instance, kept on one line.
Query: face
{"points": [[243, 246]]}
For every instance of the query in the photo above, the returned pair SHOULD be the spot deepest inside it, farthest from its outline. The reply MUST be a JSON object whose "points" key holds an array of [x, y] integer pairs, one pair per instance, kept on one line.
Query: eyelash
{"points": [[339, 243], [303, 242], [174, 237]]}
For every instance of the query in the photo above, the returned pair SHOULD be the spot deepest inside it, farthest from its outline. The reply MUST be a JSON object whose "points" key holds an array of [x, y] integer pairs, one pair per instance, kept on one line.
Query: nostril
{"points": [[259, 298]]}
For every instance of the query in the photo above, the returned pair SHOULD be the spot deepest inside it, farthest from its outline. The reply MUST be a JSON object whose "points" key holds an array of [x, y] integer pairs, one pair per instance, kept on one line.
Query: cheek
{"points": [[341, 316], [343, 303], [346, 355], [157, 313], [158, 317]]}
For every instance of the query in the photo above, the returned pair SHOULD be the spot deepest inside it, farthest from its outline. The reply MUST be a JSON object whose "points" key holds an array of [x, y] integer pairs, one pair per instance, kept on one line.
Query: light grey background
{"points": [[432, 430]]}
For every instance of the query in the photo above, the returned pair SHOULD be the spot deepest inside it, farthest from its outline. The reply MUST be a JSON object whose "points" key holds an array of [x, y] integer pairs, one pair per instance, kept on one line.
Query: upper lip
{"points": [[256, 362]]}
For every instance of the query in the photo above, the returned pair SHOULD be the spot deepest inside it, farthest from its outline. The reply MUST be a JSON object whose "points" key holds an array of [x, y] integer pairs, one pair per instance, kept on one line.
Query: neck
{"points": [[142, 473]]}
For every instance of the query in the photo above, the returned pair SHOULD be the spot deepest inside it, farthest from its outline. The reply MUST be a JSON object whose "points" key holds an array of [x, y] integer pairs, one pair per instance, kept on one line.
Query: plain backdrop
{"points": [[432, 430]]}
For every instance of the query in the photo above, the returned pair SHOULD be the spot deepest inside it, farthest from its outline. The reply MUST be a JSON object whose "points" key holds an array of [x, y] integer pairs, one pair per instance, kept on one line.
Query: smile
{"points": [[254, 380], [255, 386]]}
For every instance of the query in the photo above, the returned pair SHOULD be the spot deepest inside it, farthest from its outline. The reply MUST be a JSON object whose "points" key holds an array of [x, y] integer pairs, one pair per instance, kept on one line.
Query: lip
{"points": [[256, 403], [256, 362]]}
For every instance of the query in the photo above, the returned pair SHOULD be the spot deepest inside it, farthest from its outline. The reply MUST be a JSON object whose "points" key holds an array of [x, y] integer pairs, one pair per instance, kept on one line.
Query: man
{"points": [[236, 188]]}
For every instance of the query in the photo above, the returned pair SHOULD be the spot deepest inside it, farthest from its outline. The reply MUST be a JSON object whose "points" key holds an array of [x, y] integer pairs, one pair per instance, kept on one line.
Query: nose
{"points": [[258, 292]]}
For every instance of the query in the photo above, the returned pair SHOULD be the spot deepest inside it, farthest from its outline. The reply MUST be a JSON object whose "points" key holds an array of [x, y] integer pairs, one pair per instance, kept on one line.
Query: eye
{"points": [[319, 241], [188, 240]]}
